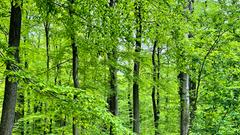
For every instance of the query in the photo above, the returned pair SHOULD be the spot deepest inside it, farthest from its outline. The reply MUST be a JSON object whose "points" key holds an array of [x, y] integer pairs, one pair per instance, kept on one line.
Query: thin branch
{"points": [[54, 66]]}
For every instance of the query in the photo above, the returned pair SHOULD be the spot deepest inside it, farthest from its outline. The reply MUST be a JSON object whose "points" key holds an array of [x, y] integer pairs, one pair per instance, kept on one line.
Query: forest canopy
{"points": [[118, 67]]}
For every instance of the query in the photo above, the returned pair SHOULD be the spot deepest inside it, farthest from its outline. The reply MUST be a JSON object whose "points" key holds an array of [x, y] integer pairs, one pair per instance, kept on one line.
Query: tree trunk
{"points": [[136, 114], [158, 79], [57, 79], [113, 98], [184, 103], [74, 60], [192, 85], [21, 96], [47, 27], [11, 84], [75, 63], [184, 91], [155, 97]]}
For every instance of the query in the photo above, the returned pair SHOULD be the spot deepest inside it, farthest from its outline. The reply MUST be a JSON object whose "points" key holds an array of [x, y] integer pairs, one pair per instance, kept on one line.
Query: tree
{"points": [[11, 83], [184, 102], [74, 59], [155, 87], [184, 92], [136, 69], [113, 96]]}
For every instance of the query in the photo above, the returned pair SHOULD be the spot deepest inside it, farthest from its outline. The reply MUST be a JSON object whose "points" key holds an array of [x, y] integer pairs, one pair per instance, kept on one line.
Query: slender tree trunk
{"points": [[11, 84], [47, 27], [75, 75], [184, 103], [113, 96], [75, 63], [158, 79], [192, 85], [20, 98], [74, 60], [136, 114], [26, 105], [57, 81], [24, 92], [154, 96]]}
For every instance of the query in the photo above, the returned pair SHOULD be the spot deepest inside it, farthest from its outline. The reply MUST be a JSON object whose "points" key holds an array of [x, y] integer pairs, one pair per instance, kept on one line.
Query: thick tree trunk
{"points": [[155, 94], [11, 84], [136, 114], [184, 102]]}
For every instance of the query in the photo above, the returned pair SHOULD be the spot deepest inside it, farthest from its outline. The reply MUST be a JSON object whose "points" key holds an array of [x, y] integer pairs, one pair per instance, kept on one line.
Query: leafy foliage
{"points": [[211, 56]]}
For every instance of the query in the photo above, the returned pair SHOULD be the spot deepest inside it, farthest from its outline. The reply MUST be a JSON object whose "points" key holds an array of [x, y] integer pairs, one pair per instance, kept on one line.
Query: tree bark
{"points": [[11, 84], [47, 27], [136, 114], [192, 84], [184, 90], [184, 103], [74, 60], [113, 96], [155, 95], [158, 79]]}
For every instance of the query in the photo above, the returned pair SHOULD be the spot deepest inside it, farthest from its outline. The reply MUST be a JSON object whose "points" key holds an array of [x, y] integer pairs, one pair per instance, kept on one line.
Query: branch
{"points": [[211, 49], [54, 66]]}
